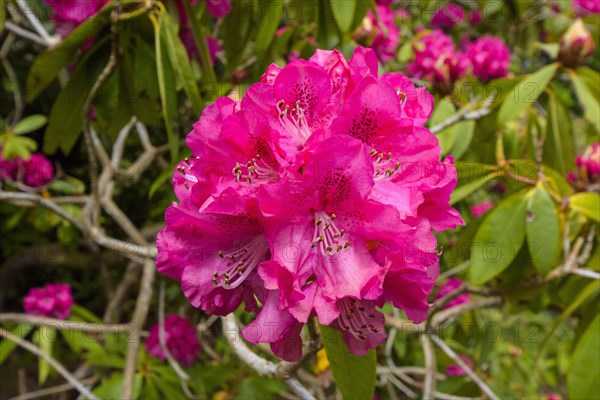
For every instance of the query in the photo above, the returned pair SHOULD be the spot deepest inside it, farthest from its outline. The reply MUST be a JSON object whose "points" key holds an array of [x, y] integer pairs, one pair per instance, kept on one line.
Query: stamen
{"points": [[354, 320], [239, 264], [327, 234], [255, 171], [383, 169], [294, 121]]}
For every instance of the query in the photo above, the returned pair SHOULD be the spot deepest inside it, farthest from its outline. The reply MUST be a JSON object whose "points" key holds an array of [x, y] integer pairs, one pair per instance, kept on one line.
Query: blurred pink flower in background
{"points": [[69, 14], [36, 171], [53, 300], [448, 16], [481, 208], [180, 338], [456, 370], [450, 286], [590, 160], [387, 38], [437, 61], [490, 58], [584, 7]]}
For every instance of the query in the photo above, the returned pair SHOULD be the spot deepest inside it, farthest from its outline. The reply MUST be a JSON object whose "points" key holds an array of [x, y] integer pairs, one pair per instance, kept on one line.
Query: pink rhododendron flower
{"points": [[456, 370], [53, 300], [68, 15], [387, 36], [584, 7], [180, 338], [481, 208], [448, 16], [218, 8], [490, 58], [317, 194], [554, 396], [437, 61], [37, 171], [450, 286], [590, 160], [475, 16]]}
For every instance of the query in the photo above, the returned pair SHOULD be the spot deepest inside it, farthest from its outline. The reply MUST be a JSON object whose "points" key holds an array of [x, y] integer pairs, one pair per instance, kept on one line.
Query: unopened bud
{"points": [[576, 45]]}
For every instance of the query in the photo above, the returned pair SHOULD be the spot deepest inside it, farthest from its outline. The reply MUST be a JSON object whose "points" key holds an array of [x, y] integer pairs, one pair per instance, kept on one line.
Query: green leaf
{"points": [[447, 137], [328, 33], [167, 96], [582, 379], [83, 314], [208, 73], [30, 124], [48, 64], [267, 25], [354, 375], [587, 203], [588, 101], [44, 338], [7, 346], [543, 230], [464, 135], [181, 63], [559, 151], [343, 11], [463, 191], [499, 239], [110, 388], [71, 186], [525, 93]]}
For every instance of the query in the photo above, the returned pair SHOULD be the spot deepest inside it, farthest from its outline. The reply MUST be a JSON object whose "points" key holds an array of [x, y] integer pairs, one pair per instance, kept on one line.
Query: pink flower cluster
{"points": [[37, 171], [437, 61], [186, 34], [449, 287], [590, 160], [448, 16], [53, 300], [180, 338], [387, 34], [317, 194], [70, 14], [489, 57], [584, 7]]}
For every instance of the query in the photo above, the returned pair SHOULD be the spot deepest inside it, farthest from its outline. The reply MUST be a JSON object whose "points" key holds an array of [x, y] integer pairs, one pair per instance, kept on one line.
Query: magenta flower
{"points": [[589, 161], [475, 16], [456, 370], [387, 34], [448, 16], [180, 338], [584, 7], [490, 58], [481, 208], [437, 61], [53, 300], [68, 15], [37, 171], [218, 8], [317, 195], [450, 286]]}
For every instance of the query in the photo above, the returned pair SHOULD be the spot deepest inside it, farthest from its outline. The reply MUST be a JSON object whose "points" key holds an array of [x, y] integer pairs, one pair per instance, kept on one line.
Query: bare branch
{"points": [[430, 366], [50, 360], [450, 353], [96, 329]]}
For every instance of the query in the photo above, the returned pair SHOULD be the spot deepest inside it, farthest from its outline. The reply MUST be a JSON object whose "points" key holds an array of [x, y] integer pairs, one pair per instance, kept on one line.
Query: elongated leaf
{"points": [[167, 96], [586, 203], [543, 230], [464, 135], [447, 137], [499, 239], [7, 346], [181, 63], [559, 151], [354, 375], [468, 188], [582, 379], [343, 12], [588, 101], [44, 338], [48, 64], [208, 73], [30, 124], [267, 25], [525, 93]]}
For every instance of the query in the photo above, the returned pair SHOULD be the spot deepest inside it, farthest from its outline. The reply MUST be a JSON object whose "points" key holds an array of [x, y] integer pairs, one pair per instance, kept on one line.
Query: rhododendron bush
{"points": [[300, 199]]}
